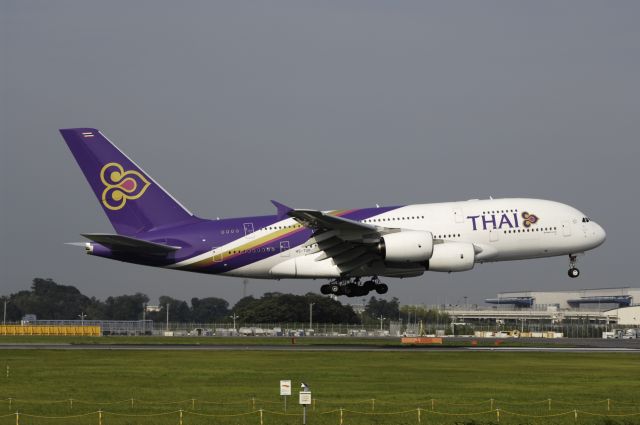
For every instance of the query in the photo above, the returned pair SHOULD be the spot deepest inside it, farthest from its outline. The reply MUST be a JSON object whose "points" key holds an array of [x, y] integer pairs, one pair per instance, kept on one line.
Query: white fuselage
{"points": [[499, 229]]}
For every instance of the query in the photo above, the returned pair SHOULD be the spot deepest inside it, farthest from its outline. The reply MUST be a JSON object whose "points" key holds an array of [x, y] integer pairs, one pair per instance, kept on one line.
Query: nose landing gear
{"points": [[352, 287], [573, 270]]}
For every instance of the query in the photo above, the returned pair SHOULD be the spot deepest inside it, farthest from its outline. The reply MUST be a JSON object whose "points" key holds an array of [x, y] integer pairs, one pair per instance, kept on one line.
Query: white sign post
{"points": [[285, 390], [305, 400]]}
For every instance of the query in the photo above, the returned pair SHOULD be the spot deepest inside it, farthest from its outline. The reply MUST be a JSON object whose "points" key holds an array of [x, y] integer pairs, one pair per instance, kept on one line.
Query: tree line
{"points": [[49, 300]]}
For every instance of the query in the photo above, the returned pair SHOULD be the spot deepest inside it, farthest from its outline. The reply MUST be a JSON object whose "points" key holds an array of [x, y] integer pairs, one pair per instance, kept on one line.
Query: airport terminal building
{"points": [[603, 306], [585, 299]]}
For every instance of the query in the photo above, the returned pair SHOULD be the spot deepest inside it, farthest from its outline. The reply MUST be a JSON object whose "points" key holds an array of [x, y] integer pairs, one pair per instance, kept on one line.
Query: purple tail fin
{"points": [[133, 201]]}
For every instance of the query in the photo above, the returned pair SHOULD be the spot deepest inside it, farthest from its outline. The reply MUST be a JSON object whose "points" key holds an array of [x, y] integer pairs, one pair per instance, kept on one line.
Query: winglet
{"points": [[283, 210]]}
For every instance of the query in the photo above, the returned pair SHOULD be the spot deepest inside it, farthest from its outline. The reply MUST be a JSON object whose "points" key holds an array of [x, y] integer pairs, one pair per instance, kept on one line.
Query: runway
{"points": [[315, 348]]}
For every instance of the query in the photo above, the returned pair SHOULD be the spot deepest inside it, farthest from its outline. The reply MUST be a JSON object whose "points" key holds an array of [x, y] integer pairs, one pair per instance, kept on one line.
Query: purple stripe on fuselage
{"points": [[196, 239], [295, 238]]}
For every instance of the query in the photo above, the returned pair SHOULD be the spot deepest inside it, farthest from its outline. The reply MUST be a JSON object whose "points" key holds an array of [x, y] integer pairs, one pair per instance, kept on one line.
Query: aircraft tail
{"points": [[132, 200]]}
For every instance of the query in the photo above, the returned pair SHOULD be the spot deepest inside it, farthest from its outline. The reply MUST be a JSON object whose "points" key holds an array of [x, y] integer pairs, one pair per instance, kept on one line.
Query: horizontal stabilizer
{"points": [[131, 245]]}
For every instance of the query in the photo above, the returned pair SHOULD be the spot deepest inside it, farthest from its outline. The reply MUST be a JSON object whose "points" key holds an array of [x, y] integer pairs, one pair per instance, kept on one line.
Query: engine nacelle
{"points": [[406, 247], [452, 257]]}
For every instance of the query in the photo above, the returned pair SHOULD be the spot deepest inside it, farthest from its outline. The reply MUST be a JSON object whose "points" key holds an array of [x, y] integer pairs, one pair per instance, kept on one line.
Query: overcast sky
{"points": [[323, 104]]}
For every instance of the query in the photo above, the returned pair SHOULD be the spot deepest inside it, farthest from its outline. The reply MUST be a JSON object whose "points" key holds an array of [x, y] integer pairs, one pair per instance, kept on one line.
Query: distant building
{"points": [[596, 306], [602, 299]]}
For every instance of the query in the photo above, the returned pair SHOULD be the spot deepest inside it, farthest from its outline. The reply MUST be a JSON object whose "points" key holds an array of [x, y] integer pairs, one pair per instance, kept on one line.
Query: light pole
{"points": [[82, 316], [381, 319], [234, 317], [4, 314], [168, 305], [311, 315], [144, 317]]}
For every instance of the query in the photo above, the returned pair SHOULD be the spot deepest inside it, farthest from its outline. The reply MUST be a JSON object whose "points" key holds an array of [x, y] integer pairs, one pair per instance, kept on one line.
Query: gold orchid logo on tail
{"points": [[121, 186]]}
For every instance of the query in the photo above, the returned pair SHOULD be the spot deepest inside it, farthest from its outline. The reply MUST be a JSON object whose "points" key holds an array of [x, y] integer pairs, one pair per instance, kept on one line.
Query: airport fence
{"points": [[254, 411], [395, 328], [569, 329]]}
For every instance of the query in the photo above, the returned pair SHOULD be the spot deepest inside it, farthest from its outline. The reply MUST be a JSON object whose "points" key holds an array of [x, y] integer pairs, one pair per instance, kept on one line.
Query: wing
{"points": [[131, 245], [348, 243]]}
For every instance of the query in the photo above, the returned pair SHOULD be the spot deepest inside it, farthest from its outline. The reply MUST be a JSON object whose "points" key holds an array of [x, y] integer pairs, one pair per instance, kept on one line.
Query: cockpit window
{"points": [[586, 219]]}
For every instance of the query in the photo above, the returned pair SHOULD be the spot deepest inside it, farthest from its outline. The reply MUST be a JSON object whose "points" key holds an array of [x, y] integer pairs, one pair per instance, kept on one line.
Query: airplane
{"points": [[351, 248]]}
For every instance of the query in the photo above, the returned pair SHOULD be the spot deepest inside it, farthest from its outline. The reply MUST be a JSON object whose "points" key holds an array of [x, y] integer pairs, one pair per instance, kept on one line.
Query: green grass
{"points": [[398, 381]]}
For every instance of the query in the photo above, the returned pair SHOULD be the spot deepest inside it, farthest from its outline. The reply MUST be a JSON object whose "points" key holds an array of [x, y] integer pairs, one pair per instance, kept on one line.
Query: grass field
{"points": [[41, 382]]}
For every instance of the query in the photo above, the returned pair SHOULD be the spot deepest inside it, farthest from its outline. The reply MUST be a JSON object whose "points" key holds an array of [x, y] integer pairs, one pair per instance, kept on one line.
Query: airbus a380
{"points": [[351, 248]]}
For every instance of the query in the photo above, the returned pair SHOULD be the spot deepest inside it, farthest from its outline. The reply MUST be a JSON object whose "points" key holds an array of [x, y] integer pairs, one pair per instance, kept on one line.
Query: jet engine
{"points": [[452, 257], [406, 247]]}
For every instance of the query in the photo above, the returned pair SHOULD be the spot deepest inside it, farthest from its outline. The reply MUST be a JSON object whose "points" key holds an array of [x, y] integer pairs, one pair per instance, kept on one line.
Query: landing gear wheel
{"points": [[382, 288], [325, 289], [573, 271], [335, 288], [369, 285], [360, 291]]}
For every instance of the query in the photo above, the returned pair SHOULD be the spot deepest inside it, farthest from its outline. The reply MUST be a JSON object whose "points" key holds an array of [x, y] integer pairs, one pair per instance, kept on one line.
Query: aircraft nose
{"points": [[599, 235]]}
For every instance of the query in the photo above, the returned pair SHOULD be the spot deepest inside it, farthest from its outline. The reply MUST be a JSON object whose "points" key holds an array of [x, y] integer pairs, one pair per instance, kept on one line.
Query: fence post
{"points": [[17, 418], [491, 404], [253, 403], [260, 416], [341, 416], [132, 402], [433, 405], [180, 422], [193, 404], [419, 415], [70, 403], [575, 415], [498, 415], [10, 402], [99, 417], [608, 404], [549, 404], [373, 404]]}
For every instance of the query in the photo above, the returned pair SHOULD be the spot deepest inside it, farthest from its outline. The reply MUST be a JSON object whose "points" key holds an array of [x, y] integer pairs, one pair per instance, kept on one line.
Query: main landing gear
{"points": [[573, 270], [353, 287]]}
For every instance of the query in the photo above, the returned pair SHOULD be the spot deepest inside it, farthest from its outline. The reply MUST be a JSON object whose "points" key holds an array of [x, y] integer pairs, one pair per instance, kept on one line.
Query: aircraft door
{"points": [[284, 249], [217, 255], [493, 235], [248, 230], [457, 215], [566, 228]]}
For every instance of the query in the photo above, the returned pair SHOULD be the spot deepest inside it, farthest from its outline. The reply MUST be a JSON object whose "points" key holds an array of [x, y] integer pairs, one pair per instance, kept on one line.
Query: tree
{"points": [[379, 307], [207, 310], [13, 313], [328, 310], [179, 310], [48, 300], [125, 307], [275, 307]]}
